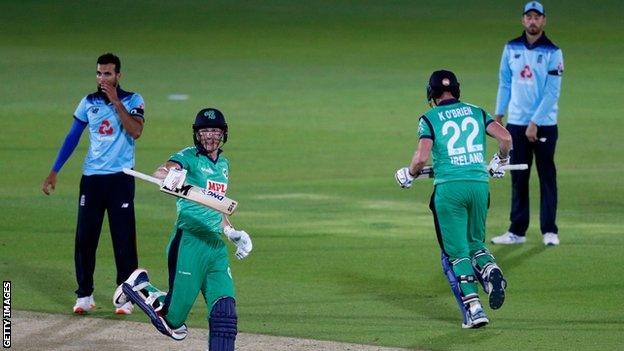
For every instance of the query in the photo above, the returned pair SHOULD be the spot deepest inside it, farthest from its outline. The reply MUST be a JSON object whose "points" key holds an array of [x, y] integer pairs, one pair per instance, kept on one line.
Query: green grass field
{"points": [[322, 99]]}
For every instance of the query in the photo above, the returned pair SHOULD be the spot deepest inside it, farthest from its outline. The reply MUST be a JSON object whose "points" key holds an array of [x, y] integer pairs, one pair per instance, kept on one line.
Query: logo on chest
{"points": [[526, 72], [217, 187], [105, 128]]}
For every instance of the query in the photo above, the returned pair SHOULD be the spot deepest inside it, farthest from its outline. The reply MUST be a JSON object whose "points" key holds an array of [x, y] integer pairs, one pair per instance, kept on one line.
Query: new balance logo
{"points": [[124, 205], [184, 273]]}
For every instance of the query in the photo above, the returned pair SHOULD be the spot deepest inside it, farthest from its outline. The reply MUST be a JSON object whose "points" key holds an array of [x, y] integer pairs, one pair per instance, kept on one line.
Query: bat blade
{"points": [[193, 193]]}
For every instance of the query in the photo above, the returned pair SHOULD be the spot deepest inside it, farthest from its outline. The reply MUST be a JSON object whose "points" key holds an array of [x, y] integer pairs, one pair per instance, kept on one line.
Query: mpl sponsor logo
{"points": [[6, 314], [217, 187]]}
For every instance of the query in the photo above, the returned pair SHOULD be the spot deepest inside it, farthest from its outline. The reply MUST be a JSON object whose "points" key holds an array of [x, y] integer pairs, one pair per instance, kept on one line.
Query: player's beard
{"points": [[534, 30]]}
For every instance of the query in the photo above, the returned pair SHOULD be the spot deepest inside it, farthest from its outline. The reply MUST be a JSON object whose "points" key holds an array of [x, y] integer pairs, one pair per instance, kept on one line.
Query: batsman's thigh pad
{"points": [[223, 325]]}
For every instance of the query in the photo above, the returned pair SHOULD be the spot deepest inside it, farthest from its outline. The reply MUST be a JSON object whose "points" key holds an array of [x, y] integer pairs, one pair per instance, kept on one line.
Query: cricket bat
{"points": [[196, 194], [427, 171]]}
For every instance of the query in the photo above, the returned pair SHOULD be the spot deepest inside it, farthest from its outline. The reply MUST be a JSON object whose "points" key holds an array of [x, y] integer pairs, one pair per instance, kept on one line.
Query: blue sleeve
{"points": [[70, 143], [504, 84], [552, 89]]}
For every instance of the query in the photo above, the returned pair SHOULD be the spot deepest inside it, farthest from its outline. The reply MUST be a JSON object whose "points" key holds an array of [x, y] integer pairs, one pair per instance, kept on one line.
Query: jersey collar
{"points": [[200, 153], [448, 102], [541, 41]]}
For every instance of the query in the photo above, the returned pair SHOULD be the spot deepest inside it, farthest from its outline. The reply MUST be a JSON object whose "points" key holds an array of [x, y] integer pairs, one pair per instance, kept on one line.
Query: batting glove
{"points": [[494, 168], [241, 239], [175, 179], [404, 178]]}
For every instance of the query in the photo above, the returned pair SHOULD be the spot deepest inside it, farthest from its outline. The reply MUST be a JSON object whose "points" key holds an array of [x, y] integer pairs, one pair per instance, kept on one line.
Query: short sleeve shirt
{"points": [[204, 173], [111, 148], [459, 140]]}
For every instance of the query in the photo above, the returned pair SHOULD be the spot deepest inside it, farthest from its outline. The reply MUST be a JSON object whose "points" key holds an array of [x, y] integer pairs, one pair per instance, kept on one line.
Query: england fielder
{"points": [[114, 119], [197, 256], [454, 133]]}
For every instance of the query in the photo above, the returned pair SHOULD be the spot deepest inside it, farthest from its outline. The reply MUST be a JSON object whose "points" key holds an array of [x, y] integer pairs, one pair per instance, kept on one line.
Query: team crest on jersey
{"points": [[539, 58], [217, 187]]}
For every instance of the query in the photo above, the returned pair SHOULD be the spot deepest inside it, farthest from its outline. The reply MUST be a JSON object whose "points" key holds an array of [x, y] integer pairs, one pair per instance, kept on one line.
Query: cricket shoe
{"points": [[508, 238], [494, 285], [551, 239], [126, 308], [119, 298], [475, 317], [138, 290], [84, 304]]}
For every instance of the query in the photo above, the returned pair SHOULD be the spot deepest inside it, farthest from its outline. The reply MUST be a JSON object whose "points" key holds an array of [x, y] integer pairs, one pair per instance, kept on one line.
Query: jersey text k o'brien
{"points": [[455, 113]]}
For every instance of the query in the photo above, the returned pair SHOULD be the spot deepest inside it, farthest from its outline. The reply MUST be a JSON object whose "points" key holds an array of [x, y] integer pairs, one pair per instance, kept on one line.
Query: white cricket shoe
{"points": [[125, 308], [84, 304], [551, 239], [508, 238], [475, 317]]}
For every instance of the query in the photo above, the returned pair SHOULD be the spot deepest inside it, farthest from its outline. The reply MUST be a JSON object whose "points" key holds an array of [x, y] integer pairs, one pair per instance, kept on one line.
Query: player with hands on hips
{"points": [[197, 254]]}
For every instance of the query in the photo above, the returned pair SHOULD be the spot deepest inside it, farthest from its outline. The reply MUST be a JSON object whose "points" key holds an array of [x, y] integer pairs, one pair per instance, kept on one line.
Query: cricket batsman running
{"points": [[197, 256], [454, 133]]}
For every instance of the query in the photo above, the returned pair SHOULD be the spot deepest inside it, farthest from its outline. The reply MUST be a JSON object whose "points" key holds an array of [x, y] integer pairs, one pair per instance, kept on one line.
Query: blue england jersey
{"points": [[530, 81], [111, 148]]}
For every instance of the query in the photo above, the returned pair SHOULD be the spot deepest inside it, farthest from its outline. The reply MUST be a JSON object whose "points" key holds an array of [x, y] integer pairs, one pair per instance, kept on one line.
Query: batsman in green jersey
{"points": [[454, 133], [197, 256]]}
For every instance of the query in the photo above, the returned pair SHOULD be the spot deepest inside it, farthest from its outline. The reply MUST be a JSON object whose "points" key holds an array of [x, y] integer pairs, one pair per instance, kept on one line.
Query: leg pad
{"points": [[223, 325]]}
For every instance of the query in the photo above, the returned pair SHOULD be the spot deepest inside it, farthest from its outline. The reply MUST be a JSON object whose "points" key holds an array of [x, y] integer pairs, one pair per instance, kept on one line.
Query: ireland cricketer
{"points": [[454, 133], [197, 256]]}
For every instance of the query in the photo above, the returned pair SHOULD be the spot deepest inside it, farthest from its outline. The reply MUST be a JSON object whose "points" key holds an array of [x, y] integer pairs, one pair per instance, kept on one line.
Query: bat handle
{"points": [[143, 176], [516, 167]]}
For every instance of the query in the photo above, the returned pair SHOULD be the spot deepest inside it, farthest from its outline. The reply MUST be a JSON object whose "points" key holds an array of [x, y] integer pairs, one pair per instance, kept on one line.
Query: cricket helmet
{"points": [[209, 118], [441, 81]]}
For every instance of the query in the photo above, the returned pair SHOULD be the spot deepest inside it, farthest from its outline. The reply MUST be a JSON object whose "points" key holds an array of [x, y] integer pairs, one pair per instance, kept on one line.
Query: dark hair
{"points": [[110, 58]]}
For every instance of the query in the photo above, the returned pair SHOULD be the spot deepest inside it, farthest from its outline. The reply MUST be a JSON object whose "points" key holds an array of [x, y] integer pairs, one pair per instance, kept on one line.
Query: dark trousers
{"points": [[113, 193], [522, 152]]}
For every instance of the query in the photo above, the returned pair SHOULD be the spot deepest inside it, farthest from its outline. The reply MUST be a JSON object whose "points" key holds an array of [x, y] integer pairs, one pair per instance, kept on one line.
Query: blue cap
{"points": [[534, 6]]}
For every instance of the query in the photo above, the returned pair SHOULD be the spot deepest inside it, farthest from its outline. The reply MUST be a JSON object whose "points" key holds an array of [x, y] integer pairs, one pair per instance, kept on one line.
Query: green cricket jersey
{"points": [[458, 133], [202, 172]]}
